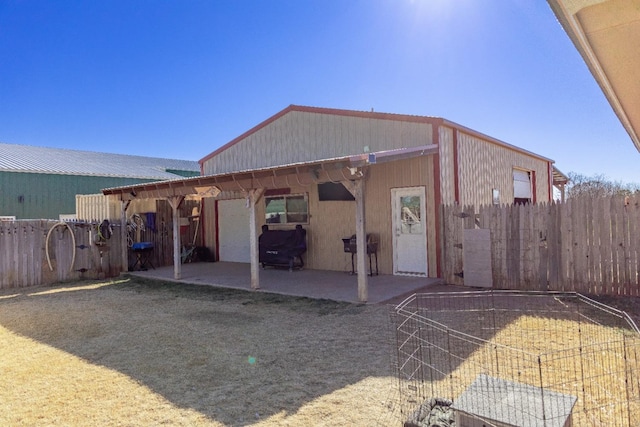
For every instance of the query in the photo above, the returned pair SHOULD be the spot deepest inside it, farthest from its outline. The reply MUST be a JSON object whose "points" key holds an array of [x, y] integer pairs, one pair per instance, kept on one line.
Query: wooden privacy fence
{"points": [[587, 245], [40, 252]]}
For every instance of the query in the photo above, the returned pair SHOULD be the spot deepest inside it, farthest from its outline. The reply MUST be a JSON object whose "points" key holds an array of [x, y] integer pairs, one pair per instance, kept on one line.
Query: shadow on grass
{"points": [[234, 356], [238, 357]]}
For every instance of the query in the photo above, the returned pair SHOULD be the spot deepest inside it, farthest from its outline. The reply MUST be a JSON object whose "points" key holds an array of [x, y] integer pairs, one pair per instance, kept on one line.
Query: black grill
{"points": [[350, 246]]}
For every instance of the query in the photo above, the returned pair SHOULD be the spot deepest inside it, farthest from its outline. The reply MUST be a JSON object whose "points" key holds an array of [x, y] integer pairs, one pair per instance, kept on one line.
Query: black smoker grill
{"points": [[282, 248], [351, 247]]}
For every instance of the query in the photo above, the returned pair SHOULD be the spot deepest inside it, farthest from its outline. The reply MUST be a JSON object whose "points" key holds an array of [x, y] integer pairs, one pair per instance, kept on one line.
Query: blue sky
{"points": [[180, 78]]}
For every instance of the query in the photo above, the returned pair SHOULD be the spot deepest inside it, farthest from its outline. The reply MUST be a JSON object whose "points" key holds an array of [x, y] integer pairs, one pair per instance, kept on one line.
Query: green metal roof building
{"points": [[41, 183]]}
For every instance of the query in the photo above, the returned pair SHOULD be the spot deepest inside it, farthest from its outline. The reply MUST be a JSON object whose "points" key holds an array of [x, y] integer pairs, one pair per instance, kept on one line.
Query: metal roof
{"points": [[559, 178], [31, 159], [345, 168]]}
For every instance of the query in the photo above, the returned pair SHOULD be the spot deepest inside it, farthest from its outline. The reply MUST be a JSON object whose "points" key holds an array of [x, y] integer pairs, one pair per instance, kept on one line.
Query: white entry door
{"points": [[409, 231], [233, 230]]}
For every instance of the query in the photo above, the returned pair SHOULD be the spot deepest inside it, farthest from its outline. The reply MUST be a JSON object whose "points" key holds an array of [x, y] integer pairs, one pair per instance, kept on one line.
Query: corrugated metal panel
{"points": [[484, 166], [301, 136], [447, 167], [98, 207], [407, 173], [331, 221], [45, 196], [23, 158]]}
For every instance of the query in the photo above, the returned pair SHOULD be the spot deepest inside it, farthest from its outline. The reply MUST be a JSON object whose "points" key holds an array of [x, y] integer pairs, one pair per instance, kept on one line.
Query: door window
{"points": [[410, 215]]}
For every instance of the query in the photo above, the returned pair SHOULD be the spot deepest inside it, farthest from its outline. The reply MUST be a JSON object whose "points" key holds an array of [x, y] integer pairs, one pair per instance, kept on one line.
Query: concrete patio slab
{"points": [[317, 284]]}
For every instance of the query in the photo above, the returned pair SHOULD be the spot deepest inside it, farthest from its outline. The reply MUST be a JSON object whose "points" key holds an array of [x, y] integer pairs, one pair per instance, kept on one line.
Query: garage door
{"points": [[233, 230]]}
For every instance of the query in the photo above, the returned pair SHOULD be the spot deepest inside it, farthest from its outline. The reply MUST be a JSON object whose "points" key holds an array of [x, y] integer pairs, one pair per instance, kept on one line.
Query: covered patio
{"points": [[351, 170], [317, 284]]}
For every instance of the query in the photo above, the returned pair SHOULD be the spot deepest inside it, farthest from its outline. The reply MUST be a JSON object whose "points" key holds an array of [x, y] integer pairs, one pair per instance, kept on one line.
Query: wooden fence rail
{"points": [[587, 245]]}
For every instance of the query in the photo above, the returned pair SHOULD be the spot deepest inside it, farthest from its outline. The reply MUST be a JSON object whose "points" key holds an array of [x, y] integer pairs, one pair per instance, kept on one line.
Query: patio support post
{"points": [[253, 197], [175, 202], [361, 242], [124, 248]]}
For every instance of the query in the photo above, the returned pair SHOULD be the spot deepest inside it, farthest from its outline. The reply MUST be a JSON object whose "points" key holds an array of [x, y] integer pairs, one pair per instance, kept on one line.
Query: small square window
{"points": [[287, 209]]}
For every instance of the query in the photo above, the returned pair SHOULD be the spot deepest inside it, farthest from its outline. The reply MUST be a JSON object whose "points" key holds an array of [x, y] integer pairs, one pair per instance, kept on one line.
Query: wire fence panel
{"points": [[508, 358]]}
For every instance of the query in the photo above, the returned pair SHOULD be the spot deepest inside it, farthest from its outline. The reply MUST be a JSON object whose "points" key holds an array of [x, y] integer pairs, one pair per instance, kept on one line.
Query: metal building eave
{"points": [[604, 33], [346, 168]]}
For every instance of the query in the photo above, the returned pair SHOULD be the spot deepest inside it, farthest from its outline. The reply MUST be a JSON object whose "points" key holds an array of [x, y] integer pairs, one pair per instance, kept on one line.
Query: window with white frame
{"points": [[287, 209]]}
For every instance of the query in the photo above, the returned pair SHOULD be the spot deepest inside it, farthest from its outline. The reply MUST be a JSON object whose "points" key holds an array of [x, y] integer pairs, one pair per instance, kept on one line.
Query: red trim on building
{"points": [[277, 192], [492, 140], [435, 121], [550, 182], [534, 197]]}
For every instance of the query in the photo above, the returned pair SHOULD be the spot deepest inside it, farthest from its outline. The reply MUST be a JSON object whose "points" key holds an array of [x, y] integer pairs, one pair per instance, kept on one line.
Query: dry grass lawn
{"points": [[136, 353]]}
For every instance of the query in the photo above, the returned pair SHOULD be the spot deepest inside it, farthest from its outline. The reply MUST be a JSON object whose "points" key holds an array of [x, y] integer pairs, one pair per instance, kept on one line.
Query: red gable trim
{"points": [[435, 121], [318, 110], [244, 135], [493, 140]]}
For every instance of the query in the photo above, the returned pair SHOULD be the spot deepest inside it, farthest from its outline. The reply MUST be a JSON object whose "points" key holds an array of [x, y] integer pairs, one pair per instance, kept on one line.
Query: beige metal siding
{"points": [[97, 207], [484, 166], [407, 173], [447, 165], [331, 221], [305, 136]]}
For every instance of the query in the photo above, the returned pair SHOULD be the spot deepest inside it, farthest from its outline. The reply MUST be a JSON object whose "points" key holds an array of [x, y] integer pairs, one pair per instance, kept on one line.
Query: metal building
{"points": [[340, 173], [42, 183]]}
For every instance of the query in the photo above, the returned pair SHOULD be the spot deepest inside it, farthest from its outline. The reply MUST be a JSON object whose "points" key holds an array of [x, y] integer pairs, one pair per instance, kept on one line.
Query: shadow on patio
{"points": [[317, 284]]}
